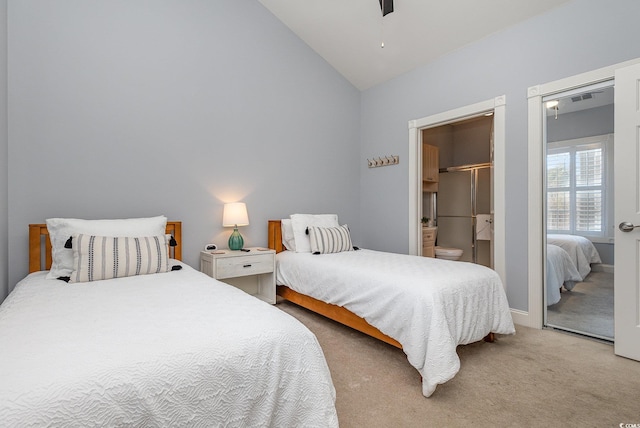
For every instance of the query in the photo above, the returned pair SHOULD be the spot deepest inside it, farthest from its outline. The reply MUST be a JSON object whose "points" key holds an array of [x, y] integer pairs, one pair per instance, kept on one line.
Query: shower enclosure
{"points": [[464, 212]]}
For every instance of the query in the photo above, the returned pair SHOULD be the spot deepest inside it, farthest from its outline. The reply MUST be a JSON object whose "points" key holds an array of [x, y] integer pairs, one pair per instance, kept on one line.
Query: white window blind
{"points": [[576, 187]]}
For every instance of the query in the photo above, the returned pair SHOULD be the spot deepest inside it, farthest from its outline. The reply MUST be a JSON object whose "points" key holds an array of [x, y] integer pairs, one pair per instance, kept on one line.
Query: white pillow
{"points": [[300, 222], [326, 240], [288, 239], [61, 229], [101, 257]]}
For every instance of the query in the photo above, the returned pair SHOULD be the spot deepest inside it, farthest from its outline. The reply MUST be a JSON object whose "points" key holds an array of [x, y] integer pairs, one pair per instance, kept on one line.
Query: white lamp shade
{"points": [[235, 214]]}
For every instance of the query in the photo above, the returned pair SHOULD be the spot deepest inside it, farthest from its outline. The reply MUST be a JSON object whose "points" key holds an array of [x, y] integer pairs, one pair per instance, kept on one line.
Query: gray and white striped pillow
{"points": [[101, 257], [325, 240]]}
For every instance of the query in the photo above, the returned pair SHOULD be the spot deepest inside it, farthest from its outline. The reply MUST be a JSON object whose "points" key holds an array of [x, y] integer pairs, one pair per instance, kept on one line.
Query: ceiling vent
{"points": [[587, 96]]}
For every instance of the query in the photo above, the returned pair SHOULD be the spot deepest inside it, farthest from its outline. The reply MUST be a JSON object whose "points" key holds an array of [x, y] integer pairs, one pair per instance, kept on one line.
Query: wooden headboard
{"points": [[275, 236], [39, 240]]}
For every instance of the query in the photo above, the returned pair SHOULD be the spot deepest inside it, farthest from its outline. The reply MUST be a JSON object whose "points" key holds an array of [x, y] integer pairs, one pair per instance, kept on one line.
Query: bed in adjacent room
{"points": [[581, 250], [561, 271], [164, 345], [425, 306]]}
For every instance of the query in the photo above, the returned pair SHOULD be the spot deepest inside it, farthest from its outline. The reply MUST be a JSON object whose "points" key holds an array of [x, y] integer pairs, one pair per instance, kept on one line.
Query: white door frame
{"points": [[535, 318], [497, 106]]}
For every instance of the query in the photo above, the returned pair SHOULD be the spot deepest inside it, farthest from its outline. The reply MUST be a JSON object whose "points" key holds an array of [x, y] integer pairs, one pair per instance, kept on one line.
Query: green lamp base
{"points": [[235, 240]]}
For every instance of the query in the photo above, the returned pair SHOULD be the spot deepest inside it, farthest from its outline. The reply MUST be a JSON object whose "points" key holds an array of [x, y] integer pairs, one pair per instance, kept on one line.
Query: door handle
{"points": [[625, 226]]}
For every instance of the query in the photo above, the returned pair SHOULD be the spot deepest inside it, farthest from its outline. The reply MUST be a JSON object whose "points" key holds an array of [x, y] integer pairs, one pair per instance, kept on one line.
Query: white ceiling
{"points": [[348, 33]]}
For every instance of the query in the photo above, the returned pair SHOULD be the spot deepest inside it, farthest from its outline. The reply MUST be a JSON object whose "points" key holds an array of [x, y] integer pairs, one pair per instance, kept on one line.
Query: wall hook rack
{"points": [[383, 161]]}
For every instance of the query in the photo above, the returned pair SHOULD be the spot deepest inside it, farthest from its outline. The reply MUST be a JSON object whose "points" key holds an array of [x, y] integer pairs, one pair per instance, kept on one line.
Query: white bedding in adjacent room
{"points": [[580, 249], [560, 271], [428, 305], [170, 349]]}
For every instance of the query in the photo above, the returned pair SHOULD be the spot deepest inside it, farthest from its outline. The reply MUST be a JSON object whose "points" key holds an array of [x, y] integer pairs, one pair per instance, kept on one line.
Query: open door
{"points": [[627, 212]]}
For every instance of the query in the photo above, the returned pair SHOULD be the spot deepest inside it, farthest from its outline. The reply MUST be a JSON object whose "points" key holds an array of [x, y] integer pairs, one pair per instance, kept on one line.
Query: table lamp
{"points": [[234, 215]]}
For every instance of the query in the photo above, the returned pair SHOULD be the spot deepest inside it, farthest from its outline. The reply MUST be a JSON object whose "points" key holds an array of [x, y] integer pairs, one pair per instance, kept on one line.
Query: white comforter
{"points": [[560, 271], [580, 249], [166, 350], [428, 305]]}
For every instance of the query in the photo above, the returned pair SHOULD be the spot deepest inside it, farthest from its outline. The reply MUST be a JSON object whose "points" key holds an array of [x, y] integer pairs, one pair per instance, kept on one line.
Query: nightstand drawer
{"points": [[231, 267], [252, 272]]}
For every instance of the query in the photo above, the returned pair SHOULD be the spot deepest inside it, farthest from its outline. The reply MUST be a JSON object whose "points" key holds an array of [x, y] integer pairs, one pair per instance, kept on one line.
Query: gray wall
{"points": [[464, 143], [127, 108], [587, 34], [115, 111], [581, 124], [472, 142], [606, 252], [442, 138], [4, 177]]}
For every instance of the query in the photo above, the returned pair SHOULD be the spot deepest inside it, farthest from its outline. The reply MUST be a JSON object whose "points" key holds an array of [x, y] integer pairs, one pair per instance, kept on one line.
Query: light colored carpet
{"points": [[535, 378], [588, 308]]}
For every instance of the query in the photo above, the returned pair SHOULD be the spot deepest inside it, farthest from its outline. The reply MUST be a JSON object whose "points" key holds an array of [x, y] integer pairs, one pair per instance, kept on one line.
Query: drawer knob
{"points": [[246, 265]]}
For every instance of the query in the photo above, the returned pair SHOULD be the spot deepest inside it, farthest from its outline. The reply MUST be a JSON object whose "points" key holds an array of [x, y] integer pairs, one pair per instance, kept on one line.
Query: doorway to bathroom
{"points": [[457, 201], [419, 208]]}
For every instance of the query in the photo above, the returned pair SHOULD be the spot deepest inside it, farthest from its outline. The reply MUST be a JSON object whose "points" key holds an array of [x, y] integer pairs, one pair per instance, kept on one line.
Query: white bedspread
{"points": [[560, 271], [580, 249], [166, 350], [428, 305]]}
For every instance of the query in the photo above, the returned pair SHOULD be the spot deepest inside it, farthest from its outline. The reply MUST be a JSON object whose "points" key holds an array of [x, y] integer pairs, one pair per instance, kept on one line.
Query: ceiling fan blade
{"points": [[386, 6]]}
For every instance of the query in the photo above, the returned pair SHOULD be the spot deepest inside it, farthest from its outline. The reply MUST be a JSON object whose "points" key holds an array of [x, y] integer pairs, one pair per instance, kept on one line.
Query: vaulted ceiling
{"points": [[348, 33]]}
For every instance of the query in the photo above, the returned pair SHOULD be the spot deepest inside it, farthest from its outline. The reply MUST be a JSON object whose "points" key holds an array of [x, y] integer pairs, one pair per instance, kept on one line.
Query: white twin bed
{"points": [[581, 250], [561, 271], [176, 348], [425, 306], [569, 259]]}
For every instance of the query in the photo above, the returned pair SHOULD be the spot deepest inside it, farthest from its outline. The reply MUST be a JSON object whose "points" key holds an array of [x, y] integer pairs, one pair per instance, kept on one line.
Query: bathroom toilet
{"points": [[448, 253]]}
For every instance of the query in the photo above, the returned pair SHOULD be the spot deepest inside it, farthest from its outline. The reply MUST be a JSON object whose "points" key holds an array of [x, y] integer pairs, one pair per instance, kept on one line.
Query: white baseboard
{"points": [[521, 318], [601, 267]]}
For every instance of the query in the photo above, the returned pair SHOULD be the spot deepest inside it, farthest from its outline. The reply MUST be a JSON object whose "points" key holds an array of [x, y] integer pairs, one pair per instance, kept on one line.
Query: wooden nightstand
{"points": [[252, 272]]}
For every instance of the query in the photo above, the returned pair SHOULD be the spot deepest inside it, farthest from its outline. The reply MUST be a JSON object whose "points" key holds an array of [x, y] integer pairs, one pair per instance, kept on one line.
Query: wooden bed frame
{"points": [[334, 312], [39, 242]]}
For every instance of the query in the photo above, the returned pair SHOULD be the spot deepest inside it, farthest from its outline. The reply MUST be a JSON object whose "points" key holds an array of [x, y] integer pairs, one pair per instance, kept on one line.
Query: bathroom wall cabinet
{"points": [[430, 168]]}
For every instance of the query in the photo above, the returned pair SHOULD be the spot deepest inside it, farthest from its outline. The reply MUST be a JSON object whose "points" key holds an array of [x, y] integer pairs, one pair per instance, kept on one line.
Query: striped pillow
{"points": [[325, 240], [102, 257]]}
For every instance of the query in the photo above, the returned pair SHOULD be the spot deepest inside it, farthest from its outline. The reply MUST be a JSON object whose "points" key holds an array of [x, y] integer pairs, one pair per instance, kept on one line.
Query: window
{"points": [[576, 186]]}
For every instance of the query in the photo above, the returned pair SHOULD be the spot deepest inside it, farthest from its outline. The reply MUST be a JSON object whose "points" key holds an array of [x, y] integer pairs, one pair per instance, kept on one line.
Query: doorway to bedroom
{"points": [[579, 210], [626, 221]]}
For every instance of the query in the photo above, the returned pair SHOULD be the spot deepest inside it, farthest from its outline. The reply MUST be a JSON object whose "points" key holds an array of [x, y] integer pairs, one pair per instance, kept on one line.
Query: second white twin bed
{"points": [[428, 305], [424, 305], [580, 249]]}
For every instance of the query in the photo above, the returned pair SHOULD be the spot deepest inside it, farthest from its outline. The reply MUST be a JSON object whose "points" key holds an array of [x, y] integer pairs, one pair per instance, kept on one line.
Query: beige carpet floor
{"points": [[535, 378]]}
